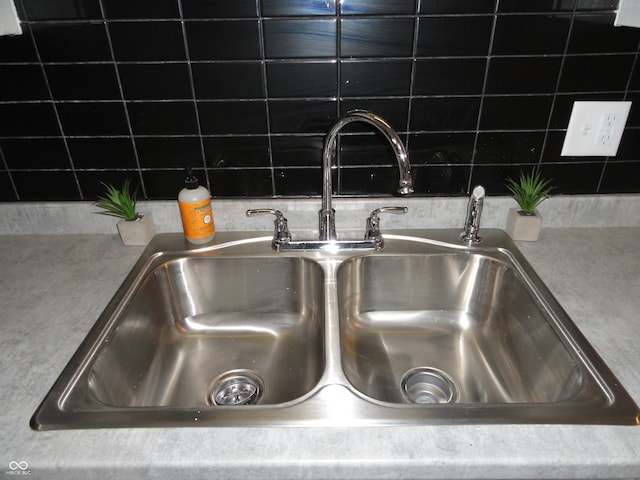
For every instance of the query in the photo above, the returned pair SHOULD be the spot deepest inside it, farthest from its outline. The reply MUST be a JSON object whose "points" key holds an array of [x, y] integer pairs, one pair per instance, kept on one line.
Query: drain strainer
{"points": [[429, 385], [236, 387]]}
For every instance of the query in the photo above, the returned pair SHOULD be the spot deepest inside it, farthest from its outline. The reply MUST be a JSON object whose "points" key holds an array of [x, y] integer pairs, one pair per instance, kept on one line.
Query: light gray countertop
{"points": [[54, 287]]}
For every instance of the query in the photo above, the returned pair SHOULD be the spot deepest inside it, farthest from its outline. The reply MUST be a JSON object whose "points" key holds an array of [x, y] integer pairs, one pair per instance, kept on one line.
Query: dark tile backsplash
{"points": [[102, 90]]}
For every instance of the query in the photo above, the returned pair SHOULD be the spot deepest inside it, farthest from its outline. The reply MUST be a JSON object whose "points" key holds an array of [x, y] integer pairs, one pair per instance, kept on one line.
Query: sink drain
{"points": [[236, 387], [429, 385]]}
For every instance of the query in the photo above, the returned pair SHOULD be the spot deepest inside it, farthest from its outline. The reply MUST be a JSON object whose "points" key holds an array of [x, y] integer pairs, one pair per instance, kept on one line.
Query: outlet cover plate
{"points": [[595, 129]]}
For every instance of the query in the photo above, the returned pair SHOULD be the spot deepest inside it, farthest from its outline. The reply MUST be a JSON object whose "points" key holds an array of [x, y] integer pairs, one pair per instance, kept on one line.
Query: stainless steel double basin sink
{"points": [[427, 331]]}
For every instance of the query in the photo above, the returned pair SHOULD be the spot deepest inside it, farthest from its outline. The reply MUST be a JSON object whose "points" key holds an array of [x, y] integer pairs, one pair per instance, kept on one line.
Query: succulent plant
{"points": [[529, 190], [119, 203]]}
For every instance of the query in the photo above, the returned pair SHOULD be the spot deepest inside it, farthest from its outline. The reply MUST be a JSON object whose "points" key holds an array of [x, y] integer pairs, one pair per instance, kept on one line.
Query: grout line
{"points": [[338, 141], [557, 92], [194, 100], [414, 51], [55, 108], [122, 101], [482, 95], [265, 87], [6, 168]]}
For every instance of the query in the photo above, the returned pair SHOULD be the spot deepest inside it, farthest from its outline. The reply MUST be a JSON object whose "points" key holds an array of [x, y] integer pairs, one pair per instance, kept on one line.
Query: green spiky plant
{"points": [[529, 190], [119, 203]]}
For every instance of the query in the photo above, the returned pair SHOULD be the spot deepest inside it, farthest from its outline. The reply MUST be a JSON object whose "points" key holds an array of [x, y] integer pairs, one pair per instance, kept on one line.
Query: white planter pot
{"points": [[137, 232], [521, 226]]}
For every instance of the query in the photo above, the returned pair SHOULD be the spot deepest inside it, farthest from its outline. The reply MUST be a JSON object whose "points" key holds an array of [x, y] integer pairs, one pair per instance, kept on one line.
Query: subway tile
{"points": [[228, 80], [298, 182], [610, 40], [279, 8], [83, 82], [297, 151], [620, 177], [18, 48], [71, 42], [441, 180], [35, 153], [634, 114], [634, 83], [62, 10], [509, 147], [147, 41], [459, 6], [93, 118], [629, 148], [155, 81], [22, 82], [493, 177], [366, 150], [92, 183], [515, 113], [300, 38], [302, 79], [449, 76], [240, 183], [377, 7], [441, 148], [213, 40], [102, 152], [447, 113], [375, 78], [209, 9], [440, 36], [394, 111], [301, 116], [592, 5], [28, 119], [573, 178], [369, 181], [164, 184], [578, 74], [234, 152], [531, 34], [163, 118], [7, 192], [169, 152], [523, 75], [142, 9], [221, 118], [360, 37], [531, 6], [441, 84], [46, 185]]}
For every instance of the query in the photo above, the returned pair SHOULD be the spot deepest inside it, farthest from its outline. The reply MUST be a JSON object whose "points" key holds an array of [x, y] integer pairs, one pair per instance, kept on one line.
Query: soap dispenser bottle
{"points": [[195, 210]]}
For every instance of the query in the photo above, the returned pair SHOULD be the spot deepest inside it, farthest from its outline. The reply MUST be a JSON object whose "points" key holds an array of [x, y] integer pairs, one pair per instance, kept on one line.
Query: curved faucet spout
{"points": [[405, 185]]}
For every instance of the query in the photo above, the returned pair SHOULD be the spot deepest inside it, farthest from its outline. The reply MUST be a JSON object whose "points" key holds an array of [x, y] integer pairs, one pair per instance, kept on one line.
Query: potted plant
{"points": [[134, 228], [529, 190]]}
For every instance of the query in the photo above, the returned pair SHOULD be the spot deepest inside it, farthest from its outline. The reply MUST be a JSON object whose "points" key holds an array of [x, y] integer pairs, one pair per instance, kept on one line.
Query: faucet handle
{"points": [[281, 233], [373, 222]]}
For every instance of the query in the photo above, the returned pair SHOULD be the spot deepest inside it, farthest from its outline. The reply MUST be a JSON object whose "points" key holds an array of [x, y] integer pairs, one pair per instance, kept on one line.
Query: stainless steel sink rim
{"points": [[333, 400]]}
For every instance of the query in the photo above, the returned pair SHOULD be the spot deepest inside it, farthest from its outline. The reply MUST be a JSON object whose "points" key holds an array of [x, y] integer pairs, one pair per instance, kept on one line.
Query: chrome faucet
{"points": [[327, 223], [474, 210], [328, 240]]}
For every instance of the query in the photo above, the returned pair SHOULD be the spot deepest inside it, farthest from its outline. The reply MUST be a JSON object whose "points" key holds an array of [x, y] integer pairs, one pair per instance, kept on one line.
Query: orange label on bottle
{"points": [[197, 219]]}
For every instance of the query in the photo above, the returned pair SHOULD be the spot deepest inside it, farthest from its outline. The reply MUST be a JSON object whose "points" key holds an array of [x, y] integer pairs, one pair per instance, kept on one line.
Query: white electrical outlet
{"points": [[595, 129]]}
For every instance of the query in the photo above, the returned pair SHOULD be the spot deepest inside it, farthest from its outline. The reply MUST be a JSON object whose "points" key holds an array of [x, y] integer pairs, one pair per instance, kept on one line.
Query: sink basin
{"points": [[467, 318], [216, 331], [428, 331]]}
